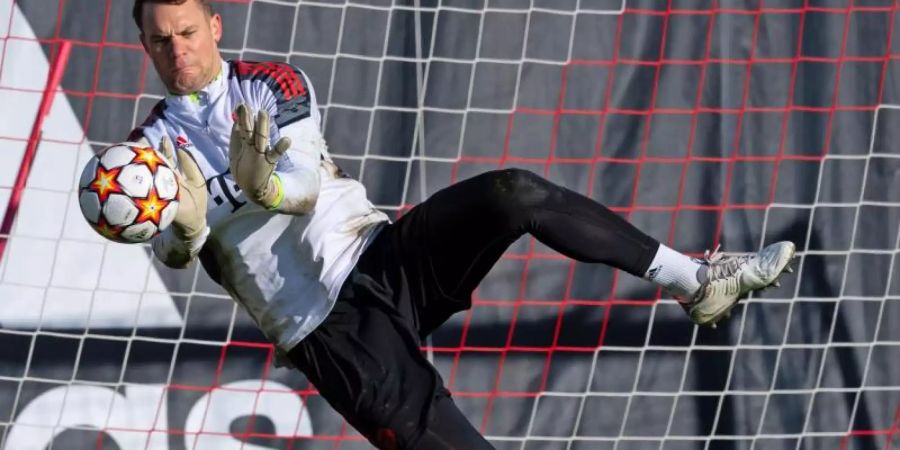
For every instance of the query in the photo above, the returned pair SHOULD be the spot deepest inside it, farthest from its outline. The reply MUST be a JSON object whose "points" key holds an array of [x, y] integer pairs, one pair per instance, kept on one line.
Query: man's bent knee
{"points": [[519, 189]]}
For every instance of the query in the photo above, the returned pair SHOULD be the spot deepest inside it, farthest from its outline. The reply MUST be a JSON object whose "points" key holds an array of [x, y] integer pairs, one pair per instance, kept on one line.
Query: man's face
{"points": [[182, 41]]}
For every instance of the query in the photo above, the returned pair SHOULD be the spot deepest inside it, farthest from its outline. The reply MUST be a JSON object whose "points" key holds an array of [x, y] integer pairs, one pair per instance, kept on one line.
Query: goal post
{"points": [[53, 78]]}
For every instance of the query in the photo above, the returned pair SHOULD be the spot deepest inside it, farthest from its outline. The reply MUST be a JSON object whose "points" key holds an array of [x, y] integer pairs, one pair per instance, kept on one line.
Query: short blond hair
{"points": [[137, 11]]}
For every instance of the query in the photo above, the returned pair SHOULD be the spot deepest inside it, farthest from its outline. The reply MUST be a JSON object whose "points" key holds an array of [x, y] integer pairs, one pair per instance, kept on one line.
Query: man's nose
{"points": [[178, 46]]}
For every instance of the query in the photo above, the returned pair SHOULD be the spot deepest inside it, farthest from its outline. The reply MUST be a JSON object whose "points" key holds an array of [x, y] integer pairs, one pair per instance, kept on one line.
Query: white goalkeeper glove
{"points": [[190, 219], [252, 160]]}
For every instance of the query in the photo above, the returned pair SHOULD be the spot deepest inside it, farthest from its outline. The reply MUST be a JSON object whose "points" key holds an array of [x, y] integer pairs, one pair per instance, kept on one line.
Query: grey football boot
{"points": [[729, 278]]}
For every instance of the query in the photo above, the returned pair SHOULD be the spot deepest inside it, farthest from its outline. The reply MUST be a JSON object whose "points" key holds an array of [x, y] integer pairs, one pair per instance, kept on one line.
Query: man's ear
{"points": [[215, 25]]}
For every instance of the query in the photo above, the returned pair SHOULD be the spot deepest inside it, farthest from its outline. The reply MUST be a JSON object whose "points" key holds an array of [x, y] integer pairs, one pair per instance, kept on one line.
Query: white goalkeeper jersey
{"points": [[285, 270]]}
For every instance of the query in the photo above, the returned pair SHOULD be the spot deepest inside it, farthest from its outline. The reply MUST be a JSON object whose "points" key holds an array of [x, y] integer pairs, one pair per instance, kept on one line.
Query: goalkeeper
{"points": [[345, 294]]}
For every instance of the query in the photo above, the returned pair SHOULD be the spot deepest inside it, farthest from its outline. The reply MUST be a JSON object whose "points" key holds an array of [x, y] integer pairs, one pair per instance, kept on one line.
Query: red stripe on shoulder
{"points": [[280, 75]]}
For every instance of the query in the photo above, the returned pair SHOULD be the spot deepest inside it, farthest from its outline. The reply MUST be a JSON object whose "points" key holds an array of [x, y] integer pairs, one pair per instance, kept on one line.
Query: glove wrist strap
{"points": [[277, 186]]}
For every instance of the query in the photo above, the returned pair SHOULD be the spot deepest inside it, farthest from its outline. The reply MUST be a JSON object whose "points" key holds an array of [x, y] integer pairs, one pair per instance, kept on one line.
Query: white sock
{"points": [[673, 271]]}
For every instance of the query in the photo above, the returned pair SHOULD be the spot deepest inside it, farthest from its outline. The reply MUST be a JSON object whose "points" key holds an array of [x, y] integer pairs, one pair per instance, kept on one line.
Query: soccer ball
{"points": [[128, 193]]}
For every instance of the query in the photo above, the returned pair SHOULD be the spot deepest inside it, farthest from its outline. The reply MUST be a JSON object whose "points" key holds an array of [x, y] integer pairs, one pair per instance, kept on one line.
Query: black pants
{"points": [[365, 358]]}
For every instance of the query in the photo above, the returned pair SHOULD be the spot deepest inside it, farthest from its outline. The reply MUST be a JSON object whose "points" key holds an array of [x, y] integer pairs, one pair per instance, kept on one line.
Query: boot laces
{"points": [[723, 270]]}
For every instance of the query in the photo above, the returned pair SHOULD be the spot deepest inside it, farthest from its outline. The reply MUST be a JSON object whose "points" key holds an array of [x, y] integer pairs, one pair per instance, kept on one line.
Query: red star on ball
{"points": [[150, 208], [108, 231], [105, 183], [149, 157]]}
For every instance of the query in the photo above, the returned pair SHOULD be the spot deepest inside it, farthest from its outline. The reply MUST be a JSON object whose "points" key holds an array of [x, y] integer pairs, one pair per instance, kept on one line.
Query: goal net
{"points": [[732, 122]]}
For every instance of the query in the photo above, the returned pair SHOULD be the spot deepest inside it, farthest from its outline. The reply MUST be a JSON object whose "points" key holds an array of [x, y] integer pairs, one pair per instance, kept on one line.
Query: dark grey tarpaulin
{"points": [[705, 122]]}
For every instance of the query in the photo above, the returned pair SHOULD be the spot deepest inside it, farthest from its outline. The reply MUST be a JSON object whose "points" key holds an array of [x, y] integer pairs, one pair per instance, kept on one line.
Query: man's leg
{"points": [[365, 360], [475, 220], [459, 233], [448, 429]]}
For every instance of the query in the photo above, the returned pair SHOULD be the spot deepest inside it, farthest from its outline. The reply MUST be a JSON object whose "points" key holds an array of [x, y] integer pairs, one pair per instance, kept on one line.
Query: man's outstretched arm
{"points": [[180, 243]]}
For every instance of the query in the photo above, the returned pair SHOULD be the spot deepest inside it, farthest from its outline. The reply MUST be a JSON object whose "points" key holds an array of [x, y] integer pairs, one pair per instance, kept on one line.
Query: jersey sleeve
{"points": [[287, 94]]}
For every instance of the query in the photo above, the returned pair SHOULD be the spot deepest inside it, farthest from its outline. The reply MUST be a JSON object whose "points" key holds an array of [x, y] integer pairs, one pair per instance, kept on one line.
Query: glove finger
{"points": [[189, 168], [261, 132], [276, 152], [245, 124], [167, 150]]}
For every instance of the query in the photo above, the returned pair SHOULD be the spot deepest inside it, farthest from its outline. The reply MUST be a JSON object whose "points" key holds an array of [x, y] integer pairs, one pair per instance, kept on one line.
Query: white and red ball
{"points": [[128, 193]]}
